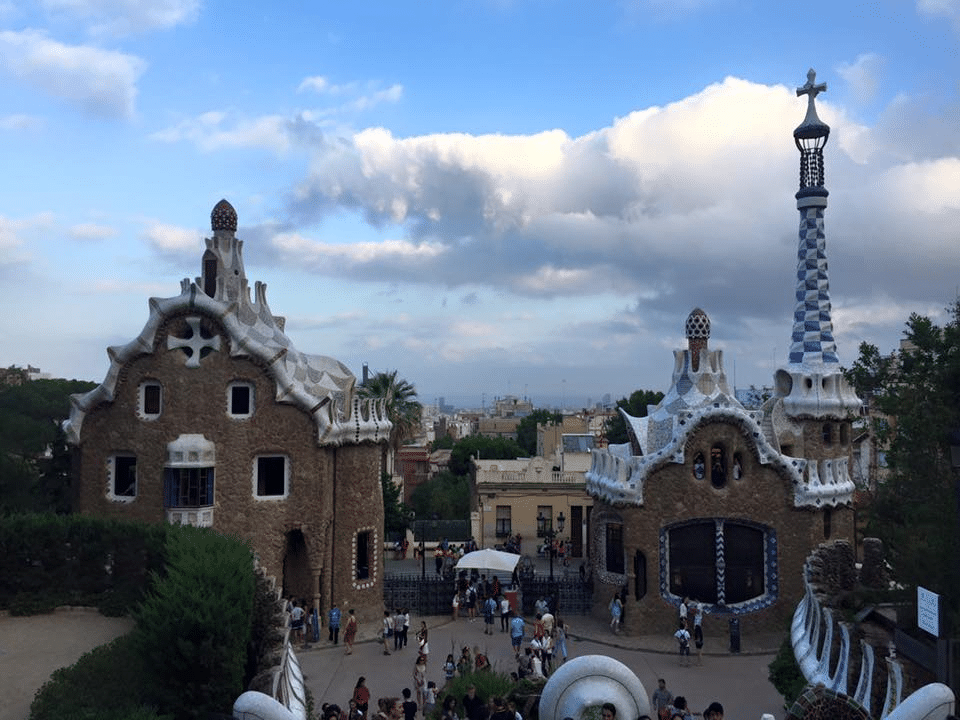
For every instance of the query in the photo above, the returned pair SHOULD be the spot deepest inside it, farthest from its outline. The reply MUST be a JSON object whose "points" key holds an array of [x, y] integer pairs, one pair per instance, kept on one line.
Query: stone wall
{"points": [[672, 494]]}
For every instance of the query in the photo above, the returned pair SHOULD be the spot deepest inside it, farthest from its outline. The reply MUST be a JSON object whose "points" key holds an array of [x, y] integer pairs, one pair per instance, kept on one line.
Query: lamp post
{"points": [[550, 534]]}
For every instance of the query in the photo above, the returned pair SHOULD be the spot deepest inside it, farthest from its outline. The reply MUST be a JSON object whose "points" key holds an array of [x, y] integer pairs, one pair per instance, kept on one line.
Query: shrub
{"points": [[104, 684], [785, 673], [489, 684], [193, 628]]}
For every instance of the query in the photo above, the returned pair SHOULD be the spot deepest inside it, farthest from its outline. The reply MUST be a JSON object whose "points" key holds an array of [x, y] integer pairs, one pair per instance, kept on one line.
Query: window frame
{"points": [[770, 565], [175, 496], [503, 525], [142, 399], [251, 400], [112, 471], [545, 524], [256, 477]]}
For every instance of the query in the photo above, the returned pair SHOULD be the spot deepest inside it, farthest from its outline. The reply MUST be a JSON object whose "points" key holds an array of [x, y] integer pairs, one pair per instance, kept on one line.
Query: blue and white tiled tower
{"points": [[813, 404], [812, 383]]}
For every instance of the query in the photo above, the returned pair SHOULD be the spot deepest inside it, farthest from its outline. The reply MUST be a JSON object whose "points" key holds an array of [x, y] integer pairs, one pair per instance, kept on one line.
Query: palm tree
{"points": [[403, 410]]}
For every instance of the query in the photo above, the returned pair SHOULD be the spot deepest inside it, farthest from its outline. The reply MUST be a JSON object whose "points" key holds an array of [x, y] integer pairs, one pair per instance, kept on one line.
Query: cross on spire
{"points": [[811, 89]]}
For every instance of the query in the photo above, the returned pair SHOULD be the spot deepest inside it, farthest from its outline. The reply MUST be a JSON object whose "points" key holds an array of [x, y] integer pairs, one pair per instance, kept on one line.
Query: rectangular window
{"points": [[544, 520], [188, 487], [503, 521], [271, 478], [240, 400], [151, 399], [363, 555], [123, 484], [614, 548]]}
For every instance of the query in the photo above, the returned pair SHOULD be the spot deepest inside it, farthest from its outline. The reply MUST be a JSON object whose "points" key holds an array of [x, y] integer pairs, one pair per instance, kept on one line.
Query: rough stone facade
{"points": [[313, 513]]}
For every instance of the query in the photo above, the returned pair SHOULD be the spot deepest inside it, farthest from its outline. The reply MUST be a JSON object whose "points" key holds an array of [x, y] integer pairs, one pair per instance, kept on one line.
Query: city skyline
{"points": [[499, 197]]}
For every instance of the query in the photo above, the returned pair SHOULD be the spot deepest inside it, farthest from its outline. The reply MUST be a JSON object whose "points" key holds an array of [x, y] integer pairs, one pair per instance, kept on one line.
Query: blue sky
{"points": [[493, 197]]}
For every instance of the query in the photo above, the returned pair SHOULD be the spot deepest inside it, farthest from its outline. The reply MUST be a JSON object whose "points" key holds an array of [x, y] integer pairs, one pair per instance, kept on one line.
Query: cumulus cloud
{"points": [[99, 82], [686, 204], [863, 76], [173, 242], [13, 247], [125, 17]]}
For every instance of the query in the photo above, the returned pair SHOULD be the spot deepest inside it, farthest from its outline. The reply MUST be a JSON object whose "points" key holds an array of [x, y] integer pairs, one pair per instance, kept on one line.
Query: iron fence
{"points": [[432, 595]]}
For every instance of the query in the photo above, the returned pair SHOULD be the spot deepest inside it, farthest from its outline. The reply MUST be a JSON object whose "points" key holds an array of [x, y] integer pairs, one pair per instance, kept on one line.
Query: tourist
{"points": [[456, 605], [536, 664], [353, 712], [386, 631], [473, 705], [661, 699], [683, 640], [714, 711], [465, 662], [504, 613], [405, 630], [350, 632], [361, 695], [684, 605], [420, 677], [489, 608], [430, 699], [500, 711], [679, 709], [422, 642], [449, 711], [397, 629], [608, 711], [525, 664], [616, 612], [560, 641], [409, 706], [296, 622], [449, 670], [480, 661], [698, 631], [516, 632], [333, 623]]}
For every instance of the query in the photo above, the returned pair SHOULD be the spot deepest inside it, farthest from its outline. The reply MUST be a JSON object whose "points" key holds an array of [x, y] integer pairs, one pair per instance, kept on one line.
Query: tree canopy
{"points": [[636, 405], [34, 458], [481, 446], [403, 409], [916, 509], [527, 429]]}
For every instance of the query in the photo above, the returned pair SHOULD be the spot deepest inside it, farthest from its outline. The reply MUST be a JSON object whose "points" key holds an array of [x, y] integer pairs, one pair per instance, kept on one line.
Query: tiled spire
{"points": [[812, 341]]}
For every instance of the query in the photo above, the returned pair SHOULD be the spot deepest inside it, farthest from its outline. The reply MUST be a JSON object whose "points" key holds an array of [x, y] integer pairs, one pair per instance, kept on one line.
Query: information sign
{"points": [[928, 611]]}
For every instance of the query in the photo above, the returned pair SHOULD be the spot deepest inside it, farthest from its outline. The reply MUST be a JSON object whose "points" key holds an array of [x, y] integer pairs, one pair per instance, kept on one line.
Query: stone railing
{"points": [[527, 477], [818, 637]]}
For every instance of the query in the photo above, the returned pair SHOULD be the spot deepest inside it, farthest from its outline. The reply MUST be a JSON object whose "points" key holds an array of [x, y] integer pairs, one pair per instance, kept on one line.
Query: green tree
{"points": [[445, 496], [481, 446], [395, 511], [402, 407], [527, 429], [31, 424], [916, 509], [636, 405]]}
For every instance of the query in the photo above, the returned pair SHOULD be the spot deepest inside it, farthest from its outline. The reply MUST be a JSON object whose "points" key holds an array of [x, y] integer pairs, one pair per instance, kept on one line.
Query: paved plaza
{"points": [[31, 648]]}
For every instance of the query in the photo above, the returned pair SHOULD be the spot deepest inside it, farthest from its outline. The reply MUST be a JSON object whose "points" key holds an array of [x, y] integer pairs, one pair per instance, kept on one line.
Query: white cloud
{"points": [[675, 206], [99, 82], [863, 76], [126, 17], [947, 8], [20, 122], [320, 84], [217, 130], [13, 248], [173, 241], [92, 231]]}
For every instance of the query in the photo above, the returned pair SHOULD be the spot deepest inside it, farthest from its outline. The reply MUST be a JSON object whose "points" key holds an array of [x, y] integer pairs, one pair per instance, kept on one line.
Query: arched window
{"points": [[737, 470], [699, 467], [718, 466], [827, 433], [209, 273]]}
